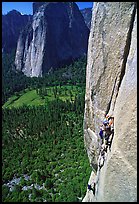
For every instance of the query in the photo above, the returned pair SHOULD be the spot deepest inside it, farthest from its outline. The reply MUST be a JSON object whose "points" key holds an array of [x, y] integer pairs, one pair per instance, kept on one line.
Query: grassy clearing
{"points": [[33, 98]]}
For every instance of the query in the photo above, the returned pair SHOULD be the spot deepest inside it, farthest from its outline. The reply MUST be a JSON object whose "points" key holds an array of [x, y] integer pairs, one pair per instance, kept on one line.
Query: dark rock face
{"points": [[57, 36], [36, 5], [12, 24], [87, 14]]}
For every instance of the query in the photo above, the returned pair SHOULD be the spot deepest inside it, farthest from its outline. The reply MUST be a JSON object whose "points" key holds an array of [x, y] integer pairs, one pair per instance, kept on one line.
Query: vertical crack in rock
{"points": [[123, 67], [109, 104], [126, 50]]}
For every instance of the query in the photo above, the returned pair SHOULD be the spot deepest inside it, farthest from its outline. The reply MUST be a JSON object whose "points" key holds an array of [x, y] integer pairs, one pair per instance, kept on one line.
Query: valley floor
{"points": [[43, 141]]}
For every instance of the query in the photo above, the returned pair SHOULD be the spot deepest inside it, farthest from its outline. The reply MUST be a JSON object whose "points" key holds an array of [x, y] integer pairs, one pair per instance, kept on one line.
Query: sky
{"points": [[26, 7]]}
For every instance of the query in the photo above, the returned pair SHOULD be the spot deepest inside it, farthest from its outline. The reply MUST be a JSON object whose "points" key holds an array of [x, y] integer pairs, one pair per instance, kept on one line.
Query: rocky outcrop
{"points": [[56, 37], [87, 14], [111, 88], [36, 6], [12, 23]]}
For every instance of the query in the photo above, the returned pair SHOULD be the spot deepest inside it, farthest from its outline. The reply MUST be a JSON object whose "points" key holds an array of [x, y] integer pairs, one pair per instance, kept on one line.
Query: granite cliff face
{"points": [[57, 36], [87, 14], [12, 23], [111, 88]]}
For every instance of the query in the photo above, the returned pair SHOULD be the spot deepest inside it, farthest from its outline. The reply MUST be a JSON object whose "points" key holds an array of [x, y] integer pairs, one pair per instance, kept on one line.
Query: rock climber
{"points": [[109, 130], [105, 122], [90, 187], [111, 124], [107, 135], [101, 134]]}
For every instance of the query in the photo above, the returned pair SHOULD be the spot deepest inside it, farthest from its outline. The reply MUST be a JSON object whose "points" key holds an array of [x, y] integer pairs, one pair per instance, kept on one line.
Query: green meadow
{"points": [[36, 97]]}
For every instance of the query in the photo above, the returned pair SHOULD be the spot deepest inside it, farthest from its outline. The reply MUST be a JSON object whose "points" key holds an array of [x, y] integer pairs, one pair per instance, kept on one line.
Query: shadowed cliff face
{"points": [[36, 6], [12, 24], [111, 88], [57, 36], [87, 14]]}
